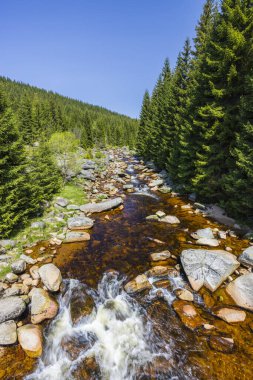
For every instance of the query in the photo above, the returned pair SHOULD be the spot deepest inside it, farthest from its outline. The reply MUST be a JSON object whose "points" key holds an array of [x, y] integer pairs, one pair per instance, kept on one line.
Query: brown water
{"points": [[123, 244]]}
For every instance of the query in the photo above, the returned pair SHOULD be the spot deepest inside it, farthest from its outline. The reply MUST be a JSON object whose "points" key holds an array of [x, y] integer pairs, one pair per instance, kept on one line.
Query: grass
{"points": [[73, 193], [4, 271]]}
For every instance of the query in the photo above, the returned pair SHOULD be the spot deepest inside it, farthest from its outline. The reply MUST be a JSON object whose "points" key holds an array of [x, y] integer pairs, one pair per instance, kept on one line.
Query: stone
{"points": [[184, 294], [51, 277], [101, 206], [152, 217], [28, 259], [128, 186], [139, 284], [231, 315], [160, 214], [221, 344], [62, 202], [11, 277], [34, 271], [246, 258], [171, 219], [73, 207], [80, 223], [241, 290], [208, 268], [11, 292], [75, 236], [222, 235], [8, 333], [89, 164], [88, 174], [206, 233], [18, 267], [42, 306], [208, 242], [11, 308], [188, 314], [156, 183], [160, 256], [7, 243], [162, 271], [38, 225], [30, 339]]}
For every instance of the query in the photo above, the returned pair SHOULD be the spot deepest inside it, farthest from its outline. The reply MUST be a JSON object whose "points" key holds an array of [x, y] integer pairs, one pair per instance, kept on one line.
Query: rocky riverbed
{"points": [[183, 280]]}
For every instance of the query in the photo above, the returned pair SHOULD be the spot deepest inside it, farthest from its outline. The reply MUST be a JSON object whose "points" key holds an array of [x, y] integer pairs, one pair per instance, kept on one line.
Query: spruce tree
{"points": [[144, 119], [25, 120]]}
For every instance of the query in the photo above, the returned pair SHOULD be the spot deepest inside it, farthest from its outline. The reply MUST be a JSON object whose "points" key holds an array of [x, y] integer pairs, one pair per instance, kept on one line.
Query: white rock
{"points": [[51, 277]]}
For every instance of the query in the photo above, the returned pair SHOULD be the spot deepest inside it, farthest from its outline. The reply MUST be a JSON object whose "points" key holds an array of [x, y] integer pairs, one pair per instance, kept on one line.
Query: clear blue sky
{"points": [[104, 52]]}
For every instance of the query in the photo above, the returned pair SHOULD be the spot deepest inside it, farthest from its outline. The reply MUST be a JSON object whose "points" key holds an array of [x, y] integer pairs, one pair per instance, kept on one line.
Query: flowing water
{"points": [[103, 333]]}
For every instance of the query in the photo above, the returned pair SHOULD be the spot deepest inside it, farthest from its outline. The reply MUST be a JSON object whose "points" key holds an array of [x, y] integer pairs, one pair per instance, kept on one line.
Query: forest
{"points": [[32, 121], [198, 122]]}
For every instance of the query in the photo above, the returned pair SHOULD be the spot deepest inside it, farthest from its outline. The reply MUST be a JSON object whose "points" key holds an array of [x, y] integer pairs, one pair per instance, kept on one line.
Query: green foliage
{"points": [[200, 128], [73, 193]]}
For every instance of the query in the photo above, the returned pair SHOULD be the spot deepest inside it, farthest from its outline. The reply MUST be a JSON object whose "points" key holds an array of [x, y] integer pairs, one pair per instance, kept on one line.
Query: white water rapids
{"points": [[117, 333]]}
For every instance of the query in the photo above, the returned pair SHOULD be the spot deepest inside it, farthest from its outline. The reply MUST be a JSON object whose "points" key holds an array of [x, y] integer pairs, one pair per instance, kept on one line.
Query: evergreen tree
{"points": [[143, 129], [25, 119], [88, 130]]}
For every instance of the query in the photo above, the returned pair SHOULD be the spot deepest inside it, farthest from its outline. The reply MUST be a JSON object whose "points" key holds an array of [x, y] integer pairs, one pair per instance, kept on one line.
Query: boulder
{"points": [[42, 306], [101, 206], [188, 314], [241, 290], [51, 277], [89, 165], [231, 315], [75, 236], [205, 233], [11, 308], [18, 267], [87, 174], [30, 339], [8, 333], [11, 277], [73, 207], [80, 223], [156, 183], [160, 214], [221, 344], [139, 284], [171, 219], [162, 271], [208, 267], [28, 259], [128, 186], [62, 202], [246, 258], [160, 256], [152, 217]]}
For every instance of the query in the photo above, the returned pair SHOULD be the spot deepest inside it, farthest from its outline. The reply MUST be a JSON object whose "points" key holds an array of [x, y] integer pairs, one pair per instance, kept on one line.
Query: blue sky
{"points": [[104, 52]]}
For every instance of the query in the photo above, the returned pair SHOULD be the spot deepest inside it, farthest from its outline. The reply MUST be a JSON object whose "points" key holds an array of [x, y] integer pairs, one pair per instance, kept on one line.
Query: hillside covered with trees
{"points": [[40, 132], [198, 121]]}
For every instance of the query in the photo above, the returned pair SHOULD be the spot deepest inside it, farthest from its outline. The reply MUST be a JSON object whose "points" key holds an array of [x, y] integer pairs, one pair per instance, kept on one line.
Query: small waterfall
{"points": [[117, 333]]}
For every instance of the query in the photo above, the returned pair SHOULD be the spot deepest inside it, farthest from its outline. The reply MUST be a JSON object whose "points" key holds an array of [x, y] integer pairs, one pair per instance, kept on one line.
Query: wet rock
{"points": [[241, 290], [80, 223], [102, 206], [208, 267], [184, 294], [11, 308], [51, 277], [139, 284], [28, 259], [160, 256], [161, 271], [34, 271], [222, 235], [246, 258], [11, 277], [231, 315], [152, 217], [8, 333], [18, 267], [42, 306], [30, 339], [72, 237], [188, 314], [171, 219], [128, 186], [62, 202], [221, 344], [205, 233]]}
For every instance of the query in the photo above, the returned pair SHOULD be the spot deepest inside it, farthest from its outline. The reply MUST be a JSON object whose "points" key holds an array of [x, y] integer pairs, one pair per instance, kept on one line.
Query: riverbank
{"points": [[189, 324]]}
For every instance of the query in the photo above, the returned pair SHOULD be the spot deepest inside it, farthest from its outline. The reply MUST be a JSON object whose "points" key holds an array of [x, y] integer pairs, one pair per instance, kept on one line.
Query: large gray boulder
{"points": [[208, 267], [241, 290], [11, 308], [246, 257], [42, 306], [76, 236], [8, 333], [51, 277], [205, 236], [62, 202], [18, 266], [80, 223], [102, 206], [87, 174]]}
